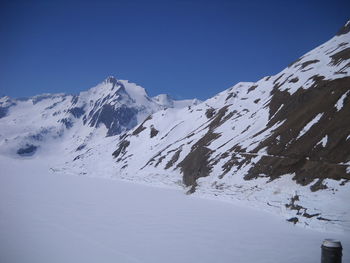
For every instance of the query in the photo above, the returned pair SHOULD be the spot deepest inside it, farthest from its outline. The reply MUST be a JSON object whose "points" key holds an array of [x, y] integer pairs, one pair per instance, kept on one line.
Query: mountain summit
{"points": [[111, 108]]}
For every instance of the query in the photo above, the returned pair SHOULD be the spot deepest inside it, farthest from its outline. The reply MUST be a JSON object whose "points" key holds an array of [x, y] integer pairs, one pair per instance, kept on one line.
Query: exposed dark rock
{"points": [[294, 80], [235, 160], [341, 71], [339, 57], [318, 186], [292, 205], [154, 132], [80, 147], [230, 95], [67, 122], [123, 136], [307, 63], [115, 119], [140, 128], [104, 100], [159, 154], [173, 159], [252, 88], [112, 80], [220, 118], [277, 100], [276, 80], [160, 159], [28, 150], [246, 129], [344, 182], [75, 99], [53, 105], [210, 112], [150, 161], [77, 112], [323, 219], [307, 215], [85, 119], [196, 164], [121, 148], [293, 220]]}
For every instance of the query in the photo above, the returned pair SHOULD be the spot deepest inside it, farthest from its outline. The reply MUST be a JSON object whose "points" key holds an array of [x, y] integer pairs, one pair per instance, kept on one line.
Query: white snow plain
{"points": [[59, 218]]}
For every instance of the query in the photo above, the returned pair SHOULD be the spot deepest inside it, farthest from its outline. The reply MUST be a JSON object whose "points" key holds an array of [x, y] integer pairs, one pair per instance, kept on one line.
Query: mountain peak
{"points": [[110, 79]]}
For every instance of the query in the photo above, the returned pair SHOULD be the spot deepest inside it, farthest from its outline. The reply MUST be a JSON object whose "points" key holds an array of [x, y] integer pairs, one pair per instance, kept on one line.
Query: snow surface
{"points": [[324, 141], [340, 103], [310, 124], [51, 217]]}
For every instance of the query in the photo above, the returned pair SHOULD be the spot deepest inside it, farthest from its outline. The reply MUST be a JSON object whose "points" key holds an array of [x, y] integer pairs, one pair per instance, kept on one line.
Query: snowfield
{"points": [[54, 217]]}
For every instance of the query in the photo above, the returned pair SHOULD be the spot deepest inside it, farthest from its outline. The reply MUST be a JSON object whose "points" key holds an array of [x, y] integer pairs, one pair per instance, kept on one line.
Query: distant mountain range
{"points": [[281, 144], [114, 105]]}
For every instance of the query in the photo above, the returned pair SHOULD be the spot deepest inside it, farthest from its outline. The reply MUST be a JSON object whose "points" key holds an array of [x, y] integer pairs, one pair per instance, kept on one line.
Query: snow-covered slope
{"points": [[110, 108], [282, 143], [58, 218]]}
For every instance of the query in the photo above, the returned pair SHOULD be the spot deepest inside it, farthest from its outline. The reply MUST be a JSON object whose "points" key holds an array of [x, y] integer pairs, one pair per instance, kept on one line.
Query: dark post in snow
{"points": [[331, 251]]}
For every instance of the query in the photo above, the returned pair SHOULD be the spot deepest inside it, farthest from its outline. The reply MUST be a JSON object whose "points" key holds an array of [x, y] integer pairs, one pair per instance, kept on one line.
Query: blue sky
{"points": [[184, 48]]}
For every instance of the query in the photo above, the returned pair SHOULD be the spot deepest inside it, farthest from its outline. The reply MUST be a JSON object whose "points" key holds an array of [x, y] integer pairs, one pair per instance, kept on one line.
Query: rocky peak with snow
{"points": [[114, 106], [110, 79]]}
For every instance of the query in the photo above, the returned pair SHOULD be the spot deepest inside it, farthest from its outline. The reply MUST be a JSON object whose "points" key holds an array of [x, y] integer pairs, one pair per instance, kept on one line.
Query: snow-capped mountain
{"points": [[281, 143], [112, 107]]}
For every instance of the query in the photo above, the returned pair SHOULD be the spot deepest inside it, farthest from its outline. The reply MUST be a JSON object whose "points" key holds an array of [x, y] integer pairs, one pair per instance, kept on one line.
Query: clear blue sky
{"points": [[184, 48]]}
